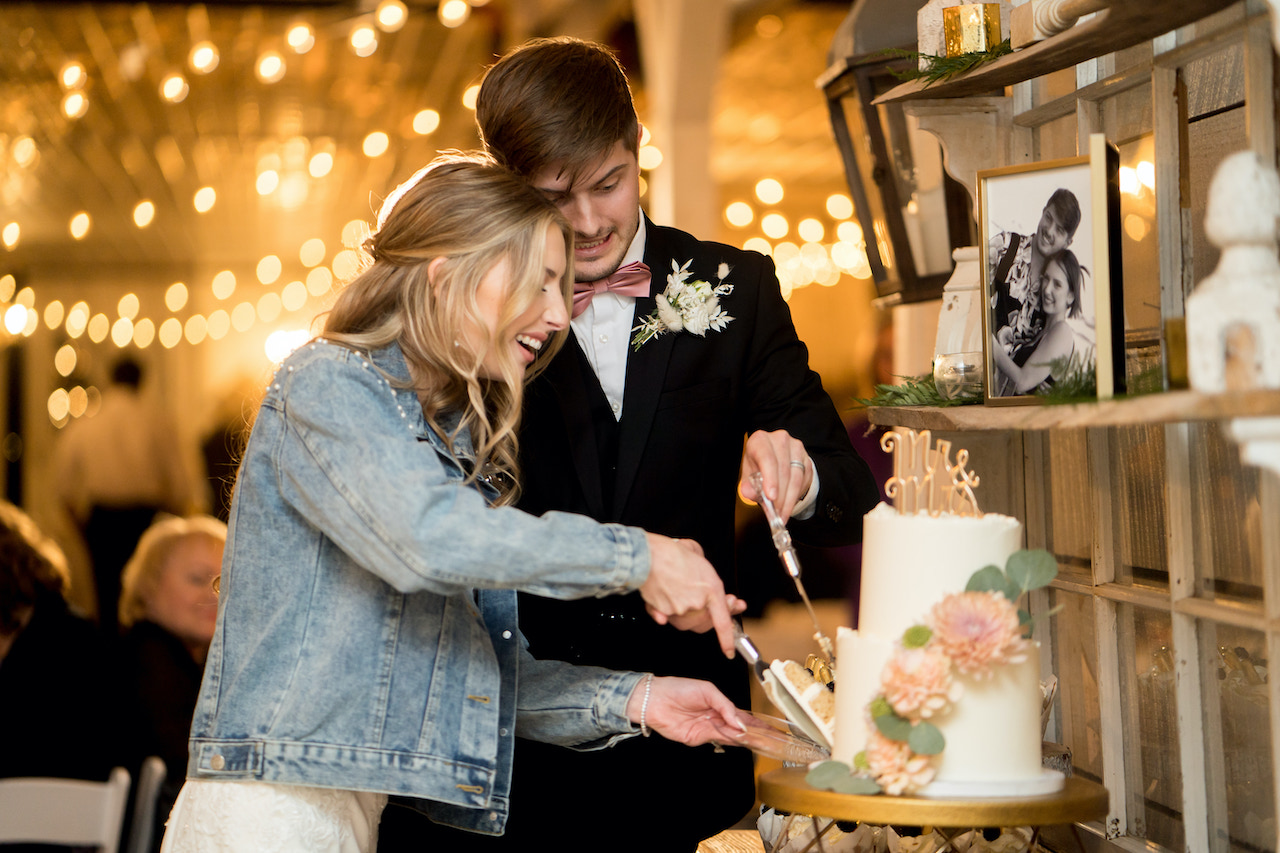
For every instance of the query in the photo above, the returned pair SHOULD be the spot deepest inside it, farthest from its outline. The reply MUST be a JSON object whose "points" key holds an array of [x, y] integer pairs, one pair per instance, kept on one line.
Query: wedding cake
{"points": [[937, 693]]}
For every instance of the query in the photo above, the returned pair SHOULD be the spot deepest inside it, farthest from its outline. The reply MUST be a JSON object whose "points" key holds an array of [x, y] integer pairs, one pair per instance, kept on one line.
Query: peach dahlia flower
{"points": [[977, 630]]}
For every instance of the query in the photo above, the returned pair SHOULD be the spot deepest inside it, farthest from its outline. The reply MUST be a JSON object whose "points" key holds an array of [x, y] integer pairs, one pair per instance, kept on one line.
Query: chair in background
{"points": [[64, 811], [146, 792]]}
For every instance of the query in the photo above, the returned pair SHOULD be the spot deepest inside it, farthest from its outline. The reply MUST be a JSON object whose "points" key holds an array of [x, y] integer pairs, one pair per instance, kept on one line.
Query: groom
{"points": [[648, 433]]}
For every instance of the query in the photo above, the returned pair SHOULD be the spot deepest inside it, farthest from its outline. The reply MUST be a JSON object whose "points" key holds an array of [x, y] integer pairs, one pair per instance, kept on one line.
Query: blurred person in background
{"points": [[168, 610], [115, 471], [57, 697]]}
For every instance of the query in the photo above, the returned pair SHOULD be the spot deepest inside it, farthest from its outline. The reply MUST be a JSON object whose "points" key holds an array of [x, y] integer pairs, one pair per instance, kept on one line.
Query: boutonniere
{"points": [[689, 306]]}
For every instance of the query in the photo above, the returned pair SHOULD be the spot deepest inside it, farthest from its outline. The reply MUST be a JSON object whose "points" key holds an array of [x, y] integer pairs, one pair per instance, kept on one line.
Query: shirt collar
{"points": [[635, 252]]}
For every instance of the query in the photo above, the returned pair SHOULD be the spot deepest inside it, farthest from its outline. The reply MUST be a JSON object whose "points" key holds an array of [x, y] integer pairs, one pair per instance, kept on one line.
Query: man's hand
{"points": [[684, 590], [783, 463]]}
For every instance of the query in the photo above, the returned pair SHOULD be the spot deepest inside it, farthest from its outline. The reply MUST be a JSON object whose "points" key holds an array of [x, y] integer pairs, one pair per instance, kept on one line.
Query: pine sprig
{"points": [[938, 68], [914, 391], [1073, 380]]}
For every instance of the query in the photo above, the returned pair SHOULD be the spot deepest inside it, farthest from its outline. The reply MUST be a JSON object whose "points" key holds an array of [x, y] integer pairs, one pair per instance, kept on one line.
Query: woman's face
{"points": [[1055, 291], [184, 602], [529, 332]]}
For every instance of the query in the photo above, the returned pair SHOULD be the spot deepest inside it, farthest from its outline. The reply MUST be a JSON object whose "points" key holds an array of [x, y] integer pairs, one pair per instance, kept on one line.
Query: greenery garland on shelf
{"points": [[938, 68], [1076, 383], [913, 391]]}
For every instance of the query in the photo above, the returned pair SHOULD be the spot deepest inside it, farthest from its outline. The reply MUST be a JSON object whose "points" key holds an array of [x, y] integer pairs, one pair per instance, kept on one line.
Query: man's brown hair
{"points": [[560, 102]]}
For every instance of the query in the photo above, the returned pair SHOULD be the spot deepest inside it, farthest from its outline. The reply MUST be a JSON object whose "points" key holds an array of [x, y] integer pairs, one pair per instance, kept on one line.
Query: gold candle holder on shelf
{"points": [[971, 28]]}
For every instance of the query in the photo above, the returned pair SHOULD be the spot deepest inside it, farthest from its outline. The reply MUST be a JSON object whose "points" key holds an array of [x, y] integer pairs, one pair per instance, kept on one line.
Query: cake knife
{"points": [[749, 652], [791, 562]]}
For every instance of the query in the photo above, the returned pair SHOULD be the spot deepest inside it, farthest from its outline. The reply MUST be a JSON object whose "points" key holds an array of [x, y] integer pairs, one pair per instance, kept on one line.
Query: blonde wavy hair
{"points": [[141, 576], [471, 212]]}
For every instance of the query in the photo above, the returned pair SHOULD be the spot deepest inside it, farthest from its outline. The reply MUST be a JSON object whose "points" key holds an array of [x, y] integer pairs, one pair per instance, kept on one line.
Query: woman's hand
{"points": [[684, 590], [686, 710]]}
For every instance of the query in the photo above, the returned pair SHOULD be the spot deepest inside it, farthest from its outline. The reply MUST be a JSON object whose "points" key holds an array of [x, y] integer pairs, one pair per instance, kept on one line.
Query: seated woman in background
{"points": [[168, 610], [57, 714]]}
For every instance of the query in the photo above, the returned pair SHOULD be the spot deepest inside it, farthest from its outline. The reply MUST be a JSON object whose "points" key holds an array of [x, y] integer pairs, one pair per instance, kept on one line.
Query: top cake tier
{"points": [[909, 562]]}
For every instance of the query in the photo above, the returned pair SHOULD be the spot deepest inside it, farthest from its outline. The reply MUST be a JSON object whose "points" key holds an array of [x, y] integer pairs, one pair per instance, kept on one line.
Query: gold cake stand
{"points": [[1079, 800]]}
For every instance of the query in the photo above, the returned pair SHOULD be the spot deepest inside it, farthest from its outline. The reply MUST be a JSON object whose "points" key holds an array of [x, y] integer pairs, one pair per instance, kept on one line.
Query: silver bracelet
{"points": [[644, 706]]}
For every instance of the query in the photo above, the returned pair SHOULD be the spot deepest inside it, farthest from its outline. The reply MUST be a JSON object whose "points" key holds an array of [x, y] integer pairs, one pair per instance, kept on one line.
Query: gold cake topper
{"points": [[924, 477]]}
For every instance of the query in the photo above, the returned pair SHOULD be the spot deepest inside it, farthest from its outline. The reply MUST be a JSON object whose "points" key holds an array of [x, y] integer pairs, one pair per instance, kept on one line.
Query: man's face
{"points": [[603, 206], [1051, 236]]}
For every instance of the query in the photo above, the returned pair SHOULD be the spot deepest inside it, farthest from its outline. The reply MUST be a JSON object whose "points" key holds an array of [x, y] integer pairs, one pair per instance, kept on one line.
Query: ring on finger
{"points": [[797, 463]]}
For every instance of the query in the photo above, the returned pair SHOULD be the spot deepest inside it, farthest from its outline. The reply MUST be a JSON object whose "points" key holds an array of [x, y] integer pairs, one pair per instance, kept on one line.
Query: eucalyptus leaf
{"points": [[880, 707], [860, 761], [828, 773], [916, 637], [987, 579], [856, 785], [893, 727], [1032, 569], [925, 739]]}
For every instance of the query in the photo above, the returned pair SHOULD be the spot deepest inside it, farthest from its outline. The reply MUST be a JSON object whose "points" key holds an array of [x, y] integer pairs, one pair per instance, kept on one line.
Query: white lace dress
{"points": [[221, 817]]}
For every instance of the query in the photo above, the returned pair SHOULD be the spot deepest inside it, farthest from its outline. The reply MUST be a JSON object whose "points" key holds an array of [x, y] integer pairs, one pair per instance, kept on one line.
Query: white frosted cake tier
{"points": [[909, 563]]}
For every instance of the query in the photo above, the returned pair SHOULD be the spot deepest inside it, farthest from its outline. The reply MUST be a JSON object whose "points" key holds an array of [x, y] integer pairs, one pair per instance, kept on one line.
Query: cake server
{"points": [[791, 562], [749, 652]]}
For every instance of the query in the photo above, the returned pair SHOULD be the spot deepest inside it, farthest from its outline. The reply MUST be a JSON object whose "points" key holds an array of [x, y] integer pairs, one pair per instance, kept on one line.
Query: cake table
{"points": [[1079, 800]]}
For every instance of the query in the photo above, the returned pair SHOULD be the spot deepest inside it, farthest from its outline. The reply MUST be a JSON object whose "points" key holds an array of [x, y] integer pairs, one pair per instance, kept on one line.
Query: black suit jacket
{"points": [[688, 406]]}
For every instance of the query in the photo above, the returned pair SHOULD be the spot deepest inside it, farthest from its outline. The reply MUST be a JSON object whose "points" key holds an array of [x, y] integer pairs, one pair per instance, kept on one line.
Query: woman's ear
{"points": [[433, 271]]}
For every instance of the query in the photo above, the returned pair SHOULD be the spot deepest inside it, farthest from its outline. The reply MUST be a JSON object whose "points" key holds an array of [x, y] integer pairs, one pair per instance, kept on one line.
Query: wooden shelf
{"points": [[1169, 407], [1124, 24]]}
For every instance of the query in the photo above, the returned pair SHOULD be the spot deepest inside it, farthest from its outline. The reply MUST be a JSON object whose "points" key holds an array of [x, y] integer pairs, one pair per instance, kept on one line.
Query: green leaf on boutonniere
{"points": [[925, 739]]}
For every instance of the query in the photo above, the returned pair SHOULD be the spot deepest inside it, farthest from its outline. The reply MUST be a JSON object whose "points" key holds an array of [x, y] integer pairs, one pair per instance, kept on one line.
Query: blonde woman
{"points": [[367, 643], [168, 610]]}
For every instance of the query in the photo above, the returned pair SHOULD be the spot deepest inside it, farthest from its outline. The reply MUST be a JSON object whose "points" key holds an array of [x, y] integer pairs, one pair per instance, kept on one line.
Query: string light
{"points": [[812, 262], [391, 15], [270, 67], [300, 38], [72, 75], [426, 122], [203, 57], [454, 13]]}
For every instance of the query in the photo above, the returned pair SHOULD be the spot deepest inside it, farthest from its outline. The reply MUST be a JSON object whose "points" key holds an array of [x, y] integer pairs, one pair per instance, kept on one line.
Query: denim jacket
{"points": [[366, 635]]}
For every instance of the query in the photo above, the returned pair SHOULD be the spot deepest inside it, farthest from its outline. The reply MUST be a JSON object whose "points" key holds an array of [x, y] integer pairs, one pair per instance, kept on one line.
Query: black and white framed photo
{"points": [[1053, 309]]}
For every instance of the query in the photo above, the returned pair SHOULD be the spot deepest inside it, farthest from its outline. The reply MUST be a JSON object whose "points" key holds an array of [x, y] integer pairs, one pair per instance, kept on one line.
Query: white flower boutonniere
{"points": [[690, 306]]}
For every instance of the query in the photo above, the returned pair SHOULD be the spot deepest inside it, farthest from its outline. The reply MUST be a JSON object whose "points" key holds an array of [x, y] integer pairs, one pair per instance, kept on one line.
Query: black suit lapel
{"points": [[568, 373], [646, 371]]}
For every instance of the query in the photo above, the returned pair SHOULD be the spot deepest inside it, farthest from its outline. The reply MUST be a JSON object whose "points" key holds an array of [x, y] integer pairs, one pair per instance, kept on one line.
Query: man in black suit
{"points": [[649, 433]]}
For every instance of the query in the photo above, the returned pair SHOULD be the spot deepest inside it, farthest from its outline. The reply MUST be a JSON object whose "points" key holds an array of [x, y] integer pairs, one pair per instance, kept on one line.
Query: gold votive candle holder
{"points": [[971, 28]]}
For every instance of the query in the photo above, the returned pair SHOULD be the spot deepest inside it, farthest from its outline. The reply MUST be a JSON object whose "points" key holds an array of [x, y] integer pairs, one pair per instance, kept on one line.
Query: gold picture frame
{"points": [[1051, 287]]}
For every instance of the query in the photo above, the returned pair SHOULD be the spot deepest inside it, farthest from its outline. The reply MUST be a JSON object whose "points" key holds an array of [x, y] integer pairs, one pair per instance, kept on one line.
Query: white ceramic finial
{"points": [[1233, 317]]}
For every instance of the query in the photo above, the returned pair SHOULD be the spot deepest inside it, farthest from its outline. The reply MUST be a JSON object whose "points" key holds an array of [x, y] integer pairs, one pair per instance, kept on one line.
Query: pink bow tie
{"points": [[628, 280]]}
